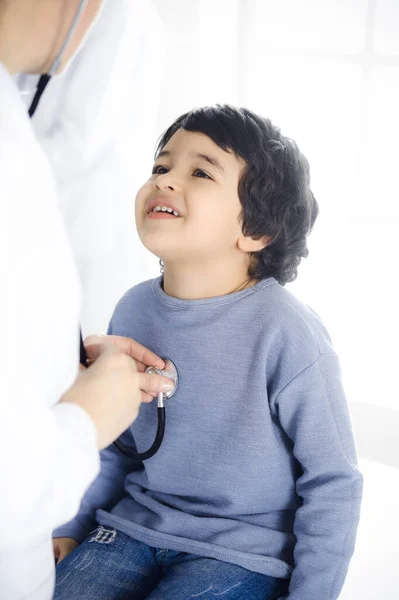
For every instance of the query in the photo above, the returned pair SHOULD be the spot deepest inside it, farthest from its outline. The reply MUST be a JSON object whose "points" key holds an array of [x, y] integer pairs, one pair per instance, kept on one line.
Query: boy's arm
{"points": [[313, 412], [104, 493]]}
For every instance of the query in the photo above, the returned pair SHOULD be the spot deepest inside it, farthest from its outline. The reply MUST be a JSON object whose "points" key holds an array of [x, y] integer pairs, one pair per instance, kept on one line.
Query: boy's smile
{"points": [[160, 208]]}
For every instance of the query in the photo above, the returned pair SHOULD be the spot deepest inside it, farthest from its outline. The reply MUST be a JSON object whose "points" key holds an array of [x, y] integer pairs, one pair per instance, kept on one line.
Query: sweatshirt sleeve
{"points": [[313, 412], [104, 493]]}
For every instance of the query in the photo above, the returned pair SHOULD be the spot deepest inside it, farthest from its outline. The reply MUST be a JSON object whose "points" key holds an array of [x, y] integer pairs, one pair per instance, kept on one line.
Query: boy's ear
{"points": [[248, 244]]}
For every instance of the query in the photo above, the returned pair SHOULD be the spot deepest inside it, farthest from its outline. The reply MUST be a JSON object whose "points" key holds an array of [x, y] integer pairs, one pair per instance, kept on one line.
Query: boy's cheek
{"points": [[142, 196], [140, 203]]}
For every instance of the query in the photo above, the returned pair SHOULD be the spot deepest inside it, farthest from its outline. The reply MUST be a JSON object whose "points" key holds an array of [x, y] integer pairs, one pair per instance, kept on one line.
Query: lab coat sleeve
{"points": [[313, 412], [48, 457], [104, 493]]}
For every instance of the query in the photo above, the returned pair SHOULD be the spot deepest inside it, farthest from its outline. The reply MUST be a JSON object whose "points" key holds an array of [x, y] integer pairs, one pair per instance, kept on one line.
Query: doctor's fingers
{"points": [[95, 345], [147, 398], [115, 359], [153, 384]]}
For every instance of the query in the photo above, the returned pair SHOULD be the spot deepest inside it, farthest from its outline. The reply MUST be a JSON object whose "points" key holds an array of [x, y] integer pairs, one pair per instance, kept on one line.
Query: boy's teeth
{"points": [[160, 208]]}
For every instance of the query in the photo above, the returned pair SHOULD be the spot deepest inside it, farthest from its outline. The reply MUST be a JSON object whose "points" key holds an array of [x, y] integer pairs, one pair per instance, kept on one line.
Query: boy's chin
{"points": [[151, 244], [156, 251], [159, 247]]}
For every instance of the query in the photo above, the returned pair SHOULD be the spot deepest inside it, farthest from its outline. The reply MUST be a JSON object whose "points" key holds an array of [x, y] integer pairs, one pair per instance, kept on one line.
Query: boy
{"points": [[255, 492]]}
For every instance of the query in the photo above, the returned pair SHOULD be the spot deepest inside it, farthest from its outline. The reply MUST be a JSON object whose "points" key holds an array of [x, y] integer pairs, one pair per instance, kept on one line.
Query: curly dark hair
{"points": [[274, 189]]}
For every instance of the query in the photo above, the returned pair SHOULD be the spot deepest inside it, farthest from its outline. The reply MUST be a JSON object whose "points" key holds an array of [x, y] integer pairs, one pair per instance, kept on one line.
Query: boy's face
{"points": [[199, 181]]}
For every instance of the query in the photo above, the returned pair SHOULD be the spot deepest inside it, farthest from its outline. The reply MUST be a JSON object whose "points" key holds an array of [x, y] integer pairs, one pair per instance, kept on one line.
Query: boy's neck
{"points": [[188, 282]]}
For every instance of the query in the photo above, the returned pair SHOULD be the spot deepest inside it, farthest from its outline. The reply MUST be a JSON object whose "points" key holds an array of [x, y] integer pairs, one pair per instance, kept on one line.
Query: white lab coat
{"points": [[48, 454]]}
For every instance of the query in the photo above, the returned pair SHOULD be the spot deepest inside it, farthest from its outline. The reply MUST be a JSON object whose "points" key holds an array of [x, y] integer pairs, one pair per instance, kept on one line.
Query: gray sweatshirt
{"points": [[258, 464]]}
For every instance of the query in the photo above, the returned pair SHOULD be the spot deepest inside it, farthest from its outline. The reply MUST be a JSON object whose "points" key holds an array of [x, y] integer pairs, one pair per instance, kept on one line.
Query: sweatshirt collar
{"points": [[178, 303]]}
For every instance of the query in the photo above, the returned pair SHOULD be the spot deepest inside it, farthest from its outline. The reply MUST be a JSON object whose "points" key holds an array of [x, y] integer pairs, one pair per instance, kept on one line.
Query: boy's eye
{"points": [[159, 170], [200, 173]]}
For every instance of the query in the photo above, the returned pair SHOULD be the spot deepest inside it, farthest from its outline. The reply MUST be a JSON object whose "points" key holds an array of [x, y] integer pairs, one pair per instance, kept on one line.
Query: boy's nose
{"points": [[167, 182], [162, 185]]}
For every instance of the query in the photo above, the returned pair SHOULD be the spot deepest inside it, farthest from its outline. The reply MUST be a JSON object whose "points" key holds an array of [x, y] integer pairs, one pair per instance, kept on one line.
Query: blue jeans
{"points": [[110, 565]]}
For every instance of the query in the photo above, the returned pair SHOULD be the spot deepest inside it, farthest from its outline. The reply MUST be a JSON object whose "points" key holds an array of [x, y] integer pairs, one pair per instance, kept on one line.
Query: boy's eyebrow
{"points": [[163, 153], [209, 159], [205, 157]]}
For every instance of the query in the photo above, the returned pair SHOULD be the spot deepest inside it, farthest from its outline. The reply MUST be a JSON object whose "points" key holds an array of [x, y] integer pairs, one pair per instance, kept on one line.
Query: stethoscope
{"points": [[170, 370], [45, 79]]}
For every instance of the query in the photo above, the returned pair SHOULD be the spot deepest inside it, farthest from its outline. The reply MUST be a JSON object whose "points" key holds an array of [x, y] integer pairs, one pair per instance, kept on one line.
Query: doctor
{"points": [[53, 421]]}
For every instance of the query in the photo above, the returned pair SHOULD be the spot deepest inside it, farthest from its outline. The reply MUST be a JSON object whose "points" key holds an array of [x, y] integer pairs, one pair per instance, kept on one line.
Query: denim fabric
{"points": [[110, 565]]}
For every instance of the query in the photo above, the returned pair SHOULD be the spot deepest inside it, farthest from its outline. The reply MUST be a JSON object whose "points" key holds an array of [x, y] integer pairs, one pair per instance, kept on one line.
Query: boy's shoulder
{"points": [[140, 290], [294, 321], [136, 297]]}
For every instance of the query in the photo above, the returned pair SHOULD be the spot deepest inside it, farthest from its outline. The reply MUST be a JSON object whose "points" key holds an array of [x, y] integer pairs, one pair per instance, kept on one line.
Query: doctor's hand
{"points": [[111, 392], [96, 344], [62, 547]]}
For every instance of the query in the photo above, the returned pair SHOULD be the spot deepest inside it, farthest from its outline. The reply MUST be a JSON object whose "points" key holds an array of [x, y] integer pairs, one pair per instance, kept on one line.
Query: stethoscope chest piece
{"points": [[170, 372]]}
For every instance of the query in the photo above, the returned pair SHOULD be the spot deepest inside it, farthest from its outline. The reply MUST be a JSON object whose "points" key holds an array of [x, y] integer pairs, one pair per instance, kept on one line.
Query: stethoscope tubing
{"points": [[155, 446]]}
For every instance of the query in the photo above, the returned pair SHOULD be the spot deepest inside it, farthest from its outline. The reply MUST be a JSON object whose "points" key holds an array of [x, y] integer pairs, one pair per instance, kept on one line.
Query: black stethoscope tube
{"points": [[127, 451], [41, 86]]}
